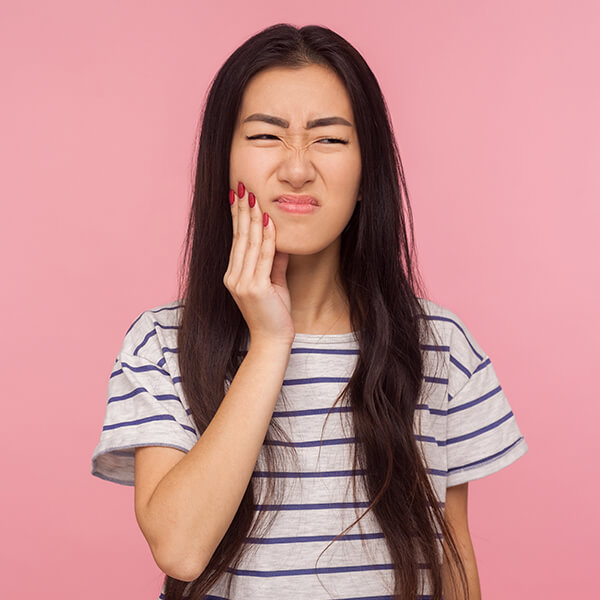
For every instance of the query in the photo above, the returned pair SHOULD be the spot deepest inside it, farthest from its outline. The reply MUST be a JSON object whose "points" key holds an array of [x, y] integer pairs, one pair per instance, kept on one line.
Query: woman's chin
{"points": [[295, 243]]}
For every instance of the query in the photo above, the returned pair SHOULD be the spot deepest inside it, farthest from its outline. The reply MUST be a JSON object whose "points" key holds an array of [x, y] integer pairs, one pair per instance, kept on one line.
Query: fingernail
{"points": [[241, 189], [265, 219], [251, 199], [231, 197]]}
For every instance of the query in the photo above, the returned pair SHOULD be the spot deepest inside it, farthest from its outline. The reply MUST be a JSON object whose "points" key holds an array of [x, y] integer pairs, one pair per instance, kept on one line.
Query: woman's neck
{"points": [[319, 302]]}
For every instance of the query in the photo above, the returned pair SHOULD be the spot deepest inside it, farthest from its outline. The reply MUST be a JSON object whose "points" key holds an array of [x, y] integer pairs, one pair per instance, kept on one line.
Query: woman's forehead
{"points": [[296, 95]]}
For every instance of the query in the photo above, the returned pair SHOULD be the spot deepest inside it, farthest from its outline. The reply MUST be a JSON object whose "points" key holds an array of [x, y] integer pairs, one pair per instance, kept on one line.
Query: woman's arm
{"points": [[456, 513], [184, 503]]}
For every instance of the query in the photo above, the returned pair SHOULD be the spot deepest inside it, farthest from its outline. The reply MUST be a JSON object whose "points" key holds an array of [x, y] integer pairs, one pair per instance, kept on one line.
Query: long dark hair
{"points": [[381, 280]]}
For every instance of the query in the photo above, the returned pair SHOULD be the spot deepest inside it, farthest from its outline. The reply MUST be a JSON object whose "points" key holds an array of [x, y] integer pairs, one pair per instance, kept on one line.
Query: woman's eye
{"points": [[334, 140], [266, 136], [261, 137]]}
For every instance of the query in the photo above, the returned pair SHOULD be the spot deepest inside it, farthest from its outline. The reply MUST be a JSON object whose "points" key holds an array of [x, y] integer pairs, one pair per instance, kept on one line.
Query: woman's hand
{"points": [[255, 276]]}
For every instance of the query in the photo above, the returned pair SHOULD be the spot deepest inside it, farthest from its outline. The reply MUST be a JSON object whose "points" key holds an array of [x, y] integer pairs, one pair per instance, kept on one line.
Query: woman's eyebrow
{"points": [[322, 122]]}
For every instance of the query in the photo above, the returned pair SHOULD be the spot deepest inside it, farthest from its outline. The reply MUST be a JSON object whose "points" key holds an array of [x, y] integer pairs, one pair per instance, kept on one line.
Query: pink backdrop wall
{"points": [[495, 107]]}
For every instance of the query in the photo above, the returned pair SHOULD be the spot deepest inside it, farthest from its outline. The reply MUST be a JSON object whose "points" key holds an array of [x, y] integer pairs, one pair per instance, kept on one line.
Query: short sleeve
{"points": [[482, 432], [144, 408]]}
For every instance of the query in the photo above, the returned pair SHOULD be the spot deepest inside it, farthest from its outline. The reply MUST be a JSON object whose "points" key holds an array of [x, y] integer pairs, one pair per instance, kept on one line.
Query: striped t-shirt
{"points": [[468, 431]]}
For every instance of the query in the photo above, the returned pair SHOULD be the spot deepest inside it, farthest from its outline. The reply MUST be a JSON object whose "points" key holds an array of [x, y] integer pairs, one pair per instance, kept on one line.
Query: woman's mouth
{"points": [[297, 204]]}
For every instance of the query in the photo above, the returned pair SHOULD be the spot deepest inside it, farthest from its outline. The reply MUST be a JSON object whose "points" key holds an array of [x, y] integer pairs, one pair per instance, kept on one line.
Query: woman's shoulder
{"points": [[447, 329], [153, 331], [434, 311]]}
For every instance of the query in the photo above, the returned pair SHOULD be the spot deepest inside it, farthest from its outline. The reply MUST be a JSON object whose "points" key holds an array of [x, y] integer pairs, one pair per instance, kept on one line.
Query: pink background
{"points": [[495, 107]]}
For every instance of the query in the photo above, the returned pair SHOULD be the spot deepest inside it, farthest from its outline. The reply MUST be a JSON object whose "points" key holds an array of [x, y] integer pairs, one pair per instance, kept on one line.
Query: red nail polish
{"points": [[231, 197], [265, 219], [241, 189], [251, 199]]}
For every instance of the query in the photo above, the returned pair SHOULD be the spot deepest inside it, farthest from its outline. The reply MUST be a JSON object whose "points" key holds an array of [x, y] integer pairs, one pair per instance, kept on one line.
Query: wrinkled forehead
{"points": [[296, 96]]}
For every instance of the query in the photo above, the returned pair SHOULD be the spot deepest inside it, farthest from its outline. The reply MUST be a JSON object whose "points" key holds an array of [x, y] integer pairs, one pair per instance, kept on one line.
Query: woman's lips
{"points": [[297, 208], [297, 204], [297, 199]]}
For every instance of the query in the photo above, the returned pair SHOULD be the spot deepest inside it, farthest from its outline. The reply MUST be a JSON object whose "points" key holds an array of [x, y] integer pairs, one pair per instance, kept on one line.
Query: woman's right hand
{"points": [[256, 274]]}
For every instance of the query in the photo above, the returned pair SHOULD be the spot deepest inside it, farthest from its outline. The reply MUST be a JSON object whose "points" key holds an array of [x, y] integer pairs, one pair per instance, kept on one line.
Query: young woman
{"points": [[302, 359]]}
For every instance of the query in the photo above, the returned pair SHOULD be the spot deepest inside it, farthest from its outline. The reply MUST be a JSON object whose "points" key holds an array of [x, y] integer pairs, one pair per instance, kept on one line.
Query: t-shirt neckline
{"points": [[328, 338]]}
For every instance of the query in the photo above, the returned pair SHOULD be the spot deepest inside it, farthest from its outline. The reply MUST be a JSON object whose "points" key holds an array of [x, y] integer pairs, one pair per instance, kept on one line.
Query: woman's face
{"points": [[293, 158]]}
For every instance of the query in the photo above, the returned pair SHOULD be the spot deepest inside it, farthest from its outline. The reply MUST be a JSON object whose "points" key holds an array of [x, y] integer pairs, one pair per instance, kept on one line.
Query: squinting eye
{"points": [[334, 140], [264, 136]]}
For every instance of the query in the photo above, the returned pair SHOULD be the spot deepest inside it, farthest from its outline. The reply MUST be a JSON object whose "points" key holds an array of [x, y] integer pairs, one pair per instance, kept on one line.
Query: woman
{"points": [[302, 358]]}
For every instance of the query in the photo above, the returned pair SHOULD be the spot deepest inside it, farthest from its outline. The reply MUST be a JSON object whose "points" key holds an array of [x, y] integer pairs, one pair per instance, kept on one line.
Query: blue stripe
{"points": [[132, 325], [148, 420], [315, 380], [312, 443], [306, 474], [447, 319], [441, 380], [460, 366], [153, 311], [434, 348], [139, 421], [312, 570], [339, 442], [432, 411], [141, 390], [158, 324], [476, 401], [429, 439], [143, 342], [348, 537], [486, 459], [483, 365], [477, 432], [438, 472], [302, 350], [323, 474], [167, 308], [419, 597], [145, 368], [311, 411], [315, 538], [319, 506], [309, 380], [340, 409]]}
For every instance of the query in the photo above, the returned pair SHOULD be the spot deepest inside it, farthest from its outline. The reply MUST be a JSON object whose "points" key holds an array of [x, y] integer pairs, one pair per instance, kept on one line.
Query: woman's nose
{"points": [[296, 166]]}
